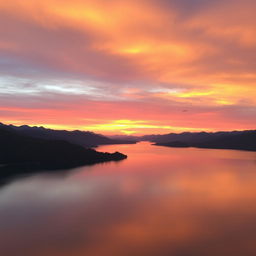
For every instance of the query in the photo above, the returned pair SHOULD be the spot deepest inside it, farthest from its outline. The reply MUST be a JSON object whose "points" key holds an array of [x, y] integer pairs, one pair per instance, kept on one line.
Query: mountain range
{"points": [[244, 140], [241, 140], [21, 154], [82, 138]]}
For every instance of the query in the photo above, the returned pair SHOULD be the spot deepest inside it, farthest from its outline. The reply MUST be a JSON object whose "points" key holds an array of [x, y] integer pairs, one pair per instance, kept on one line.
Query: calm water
{"points": [[160, 201]]}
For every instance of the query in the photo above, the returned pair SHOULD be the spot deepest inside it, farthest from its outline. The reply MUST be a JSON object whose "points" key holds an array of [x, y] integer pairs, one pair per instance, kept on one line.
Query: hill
{"points": [[82, 138], [25, 154], [242, 140]]}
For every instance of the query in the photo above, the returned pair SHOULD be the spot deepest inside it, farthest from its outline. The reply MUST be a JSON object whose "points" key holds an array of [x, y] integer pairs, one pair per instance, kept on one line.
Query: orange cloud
{"points": [[161, 56]]}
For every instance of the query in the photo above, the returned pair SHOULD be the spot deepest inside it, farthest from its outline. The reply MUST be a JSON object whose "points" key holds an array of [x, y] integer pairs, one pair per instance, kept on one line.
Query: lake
{"points": [[160, 201]]}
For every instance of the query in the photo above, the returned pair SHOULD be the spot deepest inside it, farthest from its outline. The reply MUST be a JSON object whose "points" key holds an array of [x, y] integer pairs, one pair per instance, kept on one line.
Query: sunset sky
{"points": [[129, 66]]}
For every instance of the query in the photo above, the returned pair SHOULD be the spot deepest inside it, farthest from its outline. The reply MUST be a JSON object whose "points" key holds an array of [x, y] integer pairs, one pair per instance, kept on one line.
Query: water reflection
{"points": [[160, 201]]}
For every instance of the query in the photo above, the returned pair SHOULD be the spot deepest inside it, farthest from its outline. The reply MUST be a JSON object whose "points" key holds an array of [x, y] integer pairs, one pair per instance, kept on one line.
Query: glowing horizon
{"points": [[129, 67]]}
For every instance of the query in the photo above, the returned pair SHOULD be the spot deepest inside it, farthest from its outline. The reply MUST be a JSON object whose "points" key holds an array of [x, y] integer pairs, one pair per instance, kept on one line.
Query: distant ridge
{"points": [[241, 140], [191, 136], [82, 138], [244, 140]]}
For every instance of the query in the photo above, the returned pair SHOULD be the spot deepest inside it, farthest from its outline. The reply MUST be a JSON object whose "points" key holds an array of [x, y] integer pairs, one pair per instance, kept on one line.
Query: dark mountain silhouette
{"points": [[242, 140], [187, 136], [86, 139], [19, 154]]}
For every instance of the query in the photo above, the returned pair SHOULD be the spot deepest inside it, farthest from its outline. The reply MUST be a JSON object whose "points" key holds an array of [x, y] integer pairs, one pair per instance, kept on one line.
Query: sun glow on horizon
{"points": [[116, 127]]}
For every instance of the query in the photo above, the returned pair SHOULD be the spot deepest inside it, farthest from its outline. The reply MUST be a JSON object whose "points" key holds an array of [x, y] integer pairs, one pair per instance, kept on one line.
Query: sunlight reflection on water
{"points": [[160, 201]]}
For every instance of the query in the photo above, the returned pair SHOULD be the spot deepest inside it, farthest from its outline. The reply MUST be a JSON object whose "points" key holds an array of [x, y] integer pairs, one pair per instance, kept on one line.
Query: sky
{"points": [[128, 66]]}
